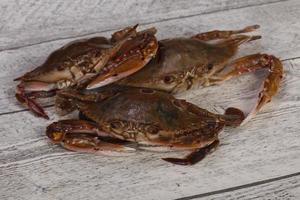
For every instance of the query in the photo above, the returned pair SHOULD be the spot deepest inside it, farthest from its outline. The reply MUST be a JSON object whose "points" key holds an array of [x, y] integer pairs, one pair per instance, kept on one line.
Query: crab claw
{"points": [[134, 54], [269, 87], [83, 136]]}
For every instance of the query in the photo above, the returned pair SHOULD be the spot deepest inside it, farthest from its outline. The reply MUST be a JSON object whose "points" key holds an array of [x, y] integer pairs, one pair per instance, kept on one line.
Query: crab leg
{"points": [[128, 67], [252, 63], [217, 34], [111, 52], [82, 136], [27, 96], [235, 41], [195, 156], [133, 56], [119, 35], [32, 105]]}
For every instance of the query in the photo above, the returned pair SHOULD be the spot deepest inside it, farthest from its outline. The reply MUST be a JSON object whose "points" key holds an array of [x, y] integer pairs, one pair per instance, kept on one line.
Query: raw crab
{"points": [[204, 59], [143, 116], [78, 62], [149, 115]]}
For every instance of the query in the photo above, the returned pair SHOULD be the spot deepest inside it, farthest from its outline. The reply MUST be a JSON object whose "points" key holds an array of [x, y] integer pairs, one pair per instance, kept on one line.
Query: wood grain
{"points": [[27, 22], [283, 187], [259, 160], [40, 170], [281, 38]]}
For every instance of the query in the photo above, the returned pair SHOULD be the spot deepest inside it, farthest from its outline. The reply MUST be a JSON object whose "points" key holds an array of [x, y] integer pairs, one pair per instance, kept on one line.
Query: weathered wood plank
{"points": [[280, 37], [26, 22], [284, 188], [267, 147], [40, 170]]}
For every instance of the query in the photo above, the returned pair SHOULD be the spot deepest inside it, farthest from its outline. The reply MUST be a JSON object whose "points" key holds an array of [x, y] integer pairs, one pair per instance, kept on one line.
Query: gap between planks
{"points": [[197, 196], [143, 24], [232, 188]]}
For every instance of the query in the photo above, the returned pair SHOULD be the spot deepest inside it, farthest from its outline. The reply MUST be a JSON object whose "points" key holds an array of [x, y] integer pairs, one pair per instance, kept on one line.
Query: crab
{"points": [[206, 59], [142, 116], [77, 63], [140, 107]]}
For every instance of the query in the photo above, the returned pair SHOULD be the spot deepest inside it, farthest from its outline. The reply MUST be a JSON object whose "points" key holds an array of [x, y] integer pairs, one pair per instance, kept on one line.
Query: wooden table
{"points": [[260, 160]]}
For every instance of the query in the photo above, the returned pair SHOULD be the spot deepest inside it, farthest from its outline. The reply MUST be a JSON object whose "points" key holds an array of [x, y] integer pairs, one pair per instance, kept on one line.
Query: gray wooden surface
{"points": [[260, 160]]}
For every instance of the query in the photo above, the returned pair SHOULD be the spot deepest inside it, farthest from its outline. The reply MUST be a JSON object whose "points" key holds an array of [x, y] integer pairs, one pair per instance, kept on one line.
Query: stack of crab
{"points": [[123, 88]]}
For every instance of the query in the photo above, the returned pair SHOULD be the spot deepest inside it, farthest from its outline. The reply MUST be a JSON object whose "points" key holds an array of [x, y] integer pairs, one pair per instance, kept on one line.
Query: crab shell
{"points": [[147, 116]]}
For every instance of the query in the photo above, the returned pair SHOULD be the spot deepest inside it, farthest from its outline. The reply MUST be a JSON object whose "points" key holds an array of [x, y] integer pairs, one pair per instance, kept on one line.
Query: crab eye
{"points": [[169, 79]]}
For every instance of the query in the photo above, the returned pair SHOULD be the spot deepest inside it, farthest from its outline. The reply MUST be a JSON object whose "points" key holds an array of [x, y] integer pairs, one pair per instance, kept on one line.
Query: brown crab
{"points": [[205, 59], [147, 115], [78, 62], [143, 116]]}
